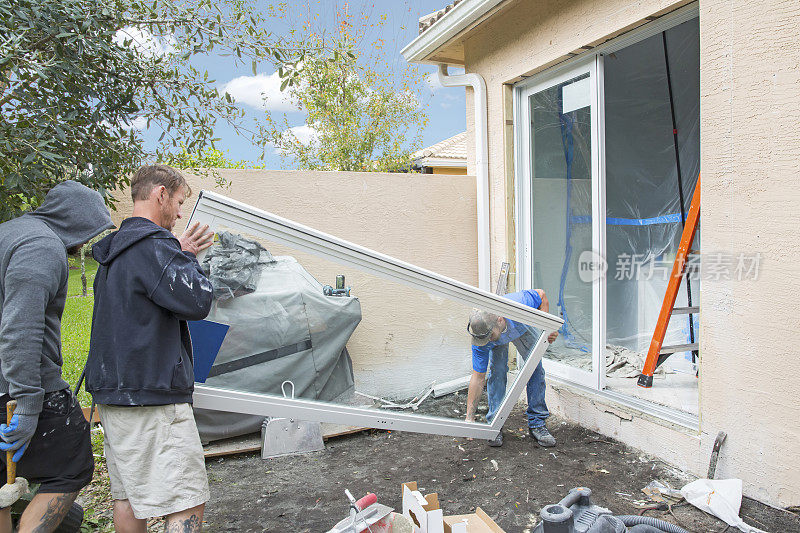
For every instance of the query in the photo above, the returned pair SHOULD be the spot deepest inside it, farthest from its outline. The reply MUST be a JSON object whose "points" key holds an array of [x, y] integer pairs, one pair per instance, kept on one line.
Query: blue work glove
{"points": [[18, 434]]}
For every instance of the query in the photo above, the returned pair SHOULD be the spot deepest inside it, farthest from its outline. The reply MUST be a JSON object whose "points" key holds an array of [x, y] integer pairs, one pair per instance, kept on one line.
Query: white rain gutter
{"points": [[478, 85]]}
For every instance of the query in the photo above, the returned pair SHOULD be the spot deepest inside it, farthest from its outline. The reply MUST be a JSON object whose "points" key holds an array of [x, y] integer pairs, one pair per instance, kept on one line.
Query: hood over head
{"points": [[131, 231], [74, 212]]}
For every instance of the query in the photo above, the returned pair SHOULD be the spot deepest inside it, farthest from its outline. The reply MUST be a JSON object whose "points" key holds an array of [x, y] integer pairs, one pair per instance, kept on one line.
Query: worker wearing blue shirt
{"points": [[490, 337]]}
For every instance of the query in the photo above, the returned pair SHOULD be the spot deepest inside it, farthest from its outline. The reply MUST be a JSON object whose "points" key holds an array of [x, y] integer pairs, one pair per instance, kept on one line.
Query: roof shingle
{"points": [[428, 20], [454, 147]]}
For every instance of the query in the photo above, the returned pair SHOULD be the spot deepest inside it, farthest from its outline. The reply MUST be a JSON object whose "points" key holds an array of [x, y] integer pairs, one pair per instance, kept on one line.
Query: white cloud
{"points": [[144, 42], [445, 97], [306, 134], [138, 123], [260, 91]]}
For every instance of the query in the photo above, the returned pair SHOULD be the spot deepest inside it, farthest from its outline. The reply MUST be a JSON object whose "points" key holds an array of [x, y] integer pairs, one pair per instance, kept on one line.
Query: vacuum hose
{"points": [[633, 520], [577, 508]]}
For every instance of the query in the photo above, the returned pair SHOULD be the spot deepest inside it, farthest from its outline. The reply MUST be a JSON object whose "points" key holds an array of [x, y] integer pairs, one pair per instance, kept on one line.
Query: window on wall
{"points": [[607, 161]]}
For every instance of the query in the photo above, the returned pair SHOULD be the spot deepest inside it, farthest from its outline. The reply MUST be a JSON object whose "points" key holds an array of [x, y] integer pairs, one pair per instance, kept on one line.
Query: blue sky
{"points": [[444, 106]]}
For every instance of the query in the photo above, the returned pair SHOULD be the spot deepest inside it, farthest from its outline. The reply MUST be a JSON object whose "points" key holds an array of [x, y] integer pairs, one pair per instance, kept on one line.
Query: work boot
{"points": [[542, 436], [497, 441]]}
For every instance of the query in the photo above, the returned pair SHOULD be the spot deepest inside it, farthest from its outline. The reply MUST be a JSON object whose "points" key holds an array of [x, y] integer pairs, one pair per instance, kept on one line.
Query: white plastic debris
{"points": [[721, 498], [656, 489]]}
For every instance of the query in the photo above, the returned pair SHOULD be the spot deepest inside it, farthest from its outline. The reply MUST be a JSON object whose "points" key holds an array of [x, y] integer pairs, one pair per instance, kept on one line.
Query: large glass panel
{"points": [[650, 164], [561, 171], [283, 328]]}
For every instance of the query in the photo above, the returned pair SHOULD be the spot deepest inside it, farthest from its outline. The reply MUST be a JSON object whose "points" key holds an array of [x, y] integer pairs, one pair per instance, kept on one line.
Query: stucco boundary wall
{"points": [[749, 330], [426, 220]]}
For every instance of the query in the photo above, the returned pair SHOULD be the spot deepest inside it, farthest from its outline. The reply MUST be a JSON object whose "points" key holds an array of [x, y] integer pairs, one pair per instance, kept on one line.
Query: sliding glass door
{"points": [[558, 125], [607, 158]]}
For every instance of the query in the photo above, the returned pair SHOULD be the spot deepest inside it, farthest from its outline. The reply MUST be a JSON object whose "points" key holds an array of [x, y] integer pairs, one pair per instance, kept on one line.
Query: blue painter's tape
{"points": [[612, 221], [207, 339]]}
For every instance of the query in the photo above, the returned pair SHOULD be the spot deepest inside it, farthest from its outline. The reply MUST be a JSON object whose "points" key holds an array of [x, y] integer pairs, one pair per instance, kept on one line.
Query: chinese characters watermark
{"points": [[714, 267]]}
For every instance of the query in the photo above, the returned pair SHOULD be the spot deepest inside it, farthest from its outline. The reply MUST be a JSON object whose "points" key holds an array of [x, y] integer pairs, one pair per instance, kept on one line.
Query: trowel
{"points": [[363, 514]]}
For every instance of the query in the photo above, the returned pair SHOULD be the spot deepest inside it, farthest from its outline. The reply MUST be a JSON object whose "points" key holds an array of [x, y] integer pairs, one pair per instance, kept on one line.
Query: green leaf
{"points": [[92, 81]]}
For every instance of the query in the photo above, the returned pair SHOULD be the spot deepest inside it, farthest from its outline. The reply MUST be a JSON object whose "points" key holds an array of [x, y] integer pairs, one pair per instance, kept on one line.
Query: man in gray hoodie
{"points": [[48, 432]]}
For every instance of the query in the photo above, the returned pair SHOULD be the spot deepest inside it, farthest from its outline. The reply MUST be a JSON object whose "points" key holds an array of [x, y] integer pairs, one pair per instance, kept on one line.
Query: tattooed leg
{"points": [[5, 520], [188, 521], [46, 511]]}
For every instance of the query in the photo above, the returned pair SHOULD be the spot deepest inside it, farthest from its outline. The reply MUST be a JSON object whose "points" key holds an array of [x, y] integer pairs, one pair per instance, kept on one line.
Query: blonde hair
{"points": [[150, 176]]}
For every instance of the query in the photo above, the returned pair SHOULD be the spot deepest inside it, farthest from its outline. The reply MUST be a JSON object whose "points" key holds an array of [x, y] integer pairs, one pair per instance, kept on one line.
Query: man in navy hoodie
{"points": [[139, 369]]}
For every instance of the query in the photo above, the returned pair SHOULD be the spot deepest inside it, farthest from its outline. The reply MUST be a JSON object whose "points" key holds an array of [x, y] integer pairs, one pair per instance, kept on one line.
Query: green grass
{"points": [[96, 498], [74, 283], [76, 327]]}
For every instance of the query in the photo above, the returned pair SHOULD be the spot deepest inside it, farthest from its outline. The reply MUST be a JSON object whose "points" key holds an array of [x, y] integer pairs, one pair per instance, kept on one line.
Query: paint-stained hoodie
{"points": [[145, 290], [33, 289]]}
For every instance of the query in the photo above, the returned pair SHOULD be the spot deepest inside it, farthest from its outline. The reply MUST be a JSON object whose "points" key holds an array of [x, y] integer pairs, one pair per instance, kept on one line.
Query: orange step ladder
{"points": [[657, 353]]}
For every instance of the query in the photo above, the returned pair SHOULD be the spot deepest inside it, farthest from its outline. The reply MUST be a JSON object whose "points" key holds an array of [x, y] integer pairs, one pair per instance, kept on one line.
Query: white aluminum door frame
{"points": [[219, 211], [524, 199], [599, 225], [524, 191]]}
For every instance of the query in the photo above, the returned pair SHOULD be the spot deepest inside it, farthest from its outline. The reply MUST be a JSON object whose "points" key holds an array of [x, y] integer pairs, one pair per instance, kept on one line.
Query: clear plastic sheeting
{"points": [[561, 156], [234, 265], [284, 330], [650, 165]]}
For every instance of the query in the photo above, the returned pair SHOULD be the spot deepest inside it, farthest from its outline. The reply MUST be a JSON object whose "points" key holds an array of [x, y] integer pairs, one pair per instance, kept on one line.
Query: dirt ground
{"points": [[306, 493]]}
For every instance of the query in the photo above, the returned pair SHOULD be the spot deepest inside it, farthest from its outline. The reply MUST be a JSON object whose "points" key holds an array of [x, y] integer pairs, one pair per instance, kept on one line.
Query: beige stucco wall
{"points": [[406, 338], [750, 156], [750, 91]]}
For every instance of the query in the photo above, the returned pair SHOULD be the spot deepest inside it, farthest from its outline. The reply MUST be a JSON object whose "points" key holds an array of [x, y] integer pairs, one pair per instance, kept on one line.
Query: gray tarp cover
{"points": [[286, 329]]}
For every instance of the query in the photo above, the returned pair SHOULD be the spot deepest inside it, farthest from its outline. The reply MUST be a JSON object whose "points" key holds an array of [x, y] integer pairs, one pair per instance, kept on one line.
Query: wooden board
{"points": [[331, 431], [243, 444], [252, 442]]}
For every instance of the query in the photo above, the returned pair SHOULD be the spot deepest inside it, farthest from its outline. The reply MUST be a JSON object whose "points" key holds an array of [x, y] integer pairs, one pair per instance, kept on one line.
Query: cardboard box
{"points": [[477, 522], [424, 511], [427, 515]]}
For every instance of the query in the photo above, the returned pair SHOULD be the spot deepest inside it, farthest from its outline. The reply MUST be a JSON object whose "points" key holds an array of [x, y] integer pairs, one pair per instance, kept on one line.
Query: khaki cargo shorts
{"points": [[154, 458]]}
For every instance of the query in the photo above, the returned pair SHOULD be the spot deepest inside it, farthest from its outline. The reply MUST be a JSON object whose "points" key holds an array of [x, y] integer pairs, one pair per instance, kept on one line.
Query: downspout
{"points": [[481, 163]]}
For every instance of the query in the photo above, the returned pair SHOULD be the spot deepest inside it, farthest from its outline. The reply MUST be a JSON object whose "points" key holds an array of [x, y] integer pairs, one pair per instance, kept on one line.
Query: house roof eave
{"points": [[444, 30]]}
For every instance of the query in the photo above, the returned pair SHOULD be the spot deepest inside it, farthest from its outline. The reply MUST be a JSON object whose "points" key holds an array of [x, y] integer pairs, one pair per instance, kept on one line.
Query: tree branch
{"points": [[12, 94]]}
